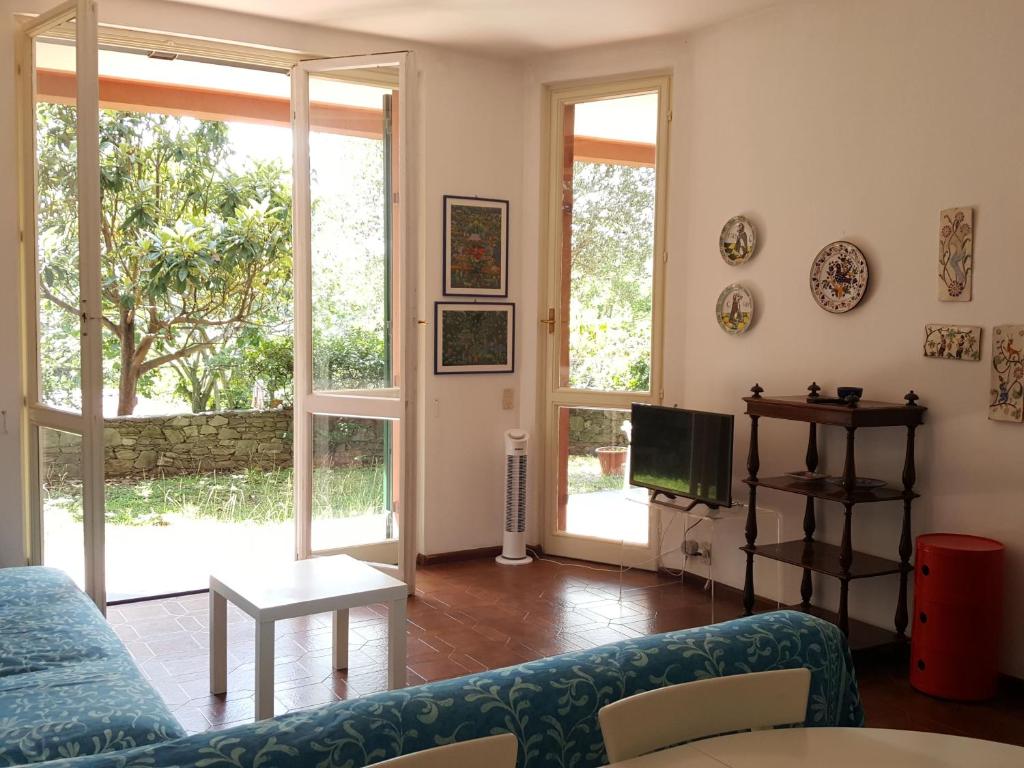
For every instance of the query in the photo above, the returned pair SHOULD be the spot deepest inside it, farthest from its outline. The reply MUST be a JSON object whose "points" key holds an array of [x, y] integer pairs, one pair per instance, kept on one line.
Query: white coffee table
{"points": [[302, 588]]}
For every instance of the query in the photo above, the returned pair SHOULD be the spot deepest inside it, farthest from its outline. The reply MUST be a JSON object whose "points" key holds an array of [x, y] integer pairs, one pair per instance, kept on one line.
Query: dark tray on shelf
{"points": [[827, 491], [823, 558]]}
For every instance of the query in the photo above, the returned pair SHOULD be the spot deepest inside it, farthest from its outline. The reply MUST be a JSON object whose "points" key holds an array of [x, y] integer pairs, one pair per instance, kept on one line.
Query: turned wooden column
{"points": [[846, 546], [906, 548], [753, 465], [806, 584]]}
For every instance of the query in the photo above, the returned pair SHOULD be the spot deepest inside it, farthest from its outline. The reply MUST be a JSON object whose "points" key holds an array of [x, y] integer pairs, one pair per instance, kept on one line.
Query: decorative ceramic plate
{"points": [[839, 277], [737, 241], [735, 309], [807, 477], [863, 483]]}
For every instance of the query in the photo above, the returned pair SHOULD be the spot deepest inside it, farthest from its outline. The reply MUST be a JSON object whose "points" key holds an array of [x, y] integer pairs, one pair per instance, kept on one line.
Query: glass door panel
{"points": [[58, 352], [352, 483], [593, 477], [60, 494], [609, 186], [350, 240]]}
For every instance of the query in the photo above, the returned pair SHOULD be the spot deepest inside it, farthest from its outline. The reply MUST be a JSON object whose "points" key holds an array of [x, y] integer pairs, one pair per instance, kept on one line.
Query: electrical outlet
{"points": [[705, 550], [507, 399], [690, 548]]}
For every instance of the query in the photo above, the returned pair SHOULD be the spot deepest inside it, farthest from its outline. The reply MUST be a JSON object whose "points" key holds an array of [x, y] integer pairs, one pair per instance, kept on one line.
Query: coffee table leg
{"points": [[264, 670], [340, 623], [218, 643], [396, 644]]}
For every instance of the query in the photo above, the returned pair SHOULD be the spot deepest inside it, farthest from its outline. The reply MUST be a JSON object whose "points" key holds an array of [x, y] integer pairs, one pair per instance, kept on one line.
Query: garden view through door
{"points": [[604, 342], [195, 271]]}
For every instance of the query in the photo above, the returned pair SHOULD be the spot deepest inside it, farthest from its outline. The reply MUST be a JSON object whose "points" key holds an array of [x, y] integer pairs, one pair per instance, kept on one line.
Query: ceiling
{"points": [[513, 28]]}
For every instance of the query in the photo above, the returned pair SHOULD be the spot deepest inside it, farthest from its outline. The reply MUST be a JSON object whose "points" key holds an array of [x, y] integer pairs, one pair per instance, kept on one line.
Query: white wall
{"points": [[468, 141], [860, 121]]}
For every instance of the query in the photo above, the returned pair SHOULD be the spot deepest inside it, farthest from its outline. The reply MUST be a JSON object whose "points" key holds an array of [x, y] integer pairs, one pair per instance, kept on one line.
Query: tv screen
{"points": [[682, 453]]}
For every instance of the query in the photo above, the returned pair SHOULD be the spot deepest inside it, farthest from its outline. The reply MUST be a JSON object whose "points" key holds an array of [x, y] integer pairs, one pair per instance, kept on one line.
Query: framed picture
{"points": [[475, 246], [472, 337]]}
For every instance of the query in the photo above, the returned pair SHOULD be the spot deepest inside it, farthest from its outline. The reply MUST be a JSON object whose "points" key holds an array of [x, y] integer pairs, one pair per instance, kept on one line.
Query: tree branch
{"points": [[156, 362]]}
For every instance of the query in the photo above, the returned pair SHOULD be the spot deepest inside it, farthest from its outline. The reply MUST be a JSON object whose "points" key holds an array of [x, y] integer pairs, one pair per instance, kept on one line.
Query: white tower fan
{"points": [[513, 550]]}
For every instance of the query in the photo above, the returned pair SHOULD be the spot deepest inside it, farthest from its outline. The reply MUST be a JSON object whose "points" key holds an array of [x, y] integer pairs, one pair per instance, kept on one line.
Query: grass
{"points": [[254, 496], [585, 476], [263, 496]]}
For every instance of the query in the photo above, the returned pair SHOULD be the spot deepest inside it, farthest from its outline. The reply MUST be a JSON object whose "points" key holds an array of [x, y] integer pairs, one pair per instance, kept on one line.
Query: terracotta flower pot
{"points": [[612, 458]]}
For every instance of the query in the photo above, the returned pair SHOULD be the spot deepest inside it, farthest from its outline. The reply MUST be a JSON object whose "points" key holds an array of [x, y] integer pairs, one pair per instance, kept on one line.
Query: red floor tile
{"points": [[470, 616]]}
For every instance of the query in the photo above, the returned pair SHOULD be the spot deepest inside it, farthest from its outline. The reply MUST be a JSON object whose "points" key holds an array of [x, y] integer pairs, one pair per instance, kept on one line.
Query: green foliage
{"points": [[353, 360], [193, 252], [612, 274], [270, 362]]}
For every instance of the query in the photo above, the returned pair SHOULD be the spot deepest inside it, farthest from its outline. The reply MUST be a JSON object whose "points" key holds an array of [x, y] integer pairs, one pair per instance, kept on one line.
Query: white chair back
{"points": [[675, 714], [489, 752]]}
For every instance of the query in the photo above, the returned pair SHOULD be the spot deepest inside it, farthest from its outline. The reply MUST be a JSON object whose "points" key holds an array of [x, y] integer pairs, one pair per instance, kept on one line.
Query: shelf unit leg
{"points": [[906, 548], [846, 546], [753, 465], [844, 609], [810, 523]]}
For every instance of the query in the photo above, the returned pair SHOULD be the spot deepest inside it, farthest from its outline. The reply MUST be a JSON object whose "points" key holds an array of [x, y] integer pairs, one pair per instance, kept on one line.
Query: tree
{"points": [[193, 252], [612, 276]]}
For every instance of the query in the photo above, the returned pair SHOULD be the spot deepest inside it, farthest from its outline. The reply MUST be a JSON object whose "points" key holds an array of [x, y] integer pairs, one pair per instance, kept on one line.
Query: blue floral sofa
{"points": [[550, 705], [68, 686]]}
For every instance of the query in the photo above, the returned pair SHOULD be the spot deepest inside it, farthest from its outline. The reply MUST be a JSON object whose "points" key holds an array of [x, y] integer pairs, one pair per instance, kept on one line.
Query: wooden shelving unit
{"points": [[840, 562]]}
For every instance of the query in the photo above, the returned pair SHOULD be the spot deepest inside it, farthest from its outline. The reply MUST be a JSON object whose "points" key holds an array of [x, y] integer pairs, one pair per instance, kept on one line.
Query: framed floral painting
{"points": [[475, 246], [474, 337]]}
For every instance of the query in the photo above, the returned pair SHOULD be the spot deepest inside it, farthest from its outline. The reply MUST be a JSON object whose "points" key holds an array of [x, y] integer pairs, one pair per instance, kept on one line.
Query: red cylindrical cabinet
{"points": [[958, 607]]}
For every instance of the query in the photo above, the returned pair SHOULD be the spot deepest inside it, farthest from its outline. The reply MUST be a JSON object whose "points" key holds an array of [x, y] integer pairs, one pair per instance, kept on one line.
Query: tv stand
{"points": [[712, 508]]}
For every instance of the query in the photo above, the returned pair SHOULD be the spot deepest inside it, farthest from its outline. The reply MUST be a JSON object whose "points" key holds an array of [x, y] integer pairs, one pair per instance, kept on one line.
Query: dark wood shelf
{"points": [[819, 557], [827, 491], [866, 413], [813, 556], [862, 637]]}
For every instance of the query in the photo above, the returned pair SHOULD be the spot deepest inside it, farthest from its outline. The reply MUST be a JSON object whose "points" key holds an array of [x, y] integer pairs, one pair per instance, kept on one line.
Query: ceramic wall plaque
{"points": [[953, 342], [737, 241], [839, 277], [735, 309], [956, 254], [1006, 397]]}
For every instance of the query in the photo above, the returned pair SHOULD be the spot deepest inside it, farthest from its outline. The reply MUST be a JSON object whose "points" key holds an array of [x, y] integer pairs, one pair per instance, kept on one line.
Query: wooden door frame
{"points": [[551, 395]]}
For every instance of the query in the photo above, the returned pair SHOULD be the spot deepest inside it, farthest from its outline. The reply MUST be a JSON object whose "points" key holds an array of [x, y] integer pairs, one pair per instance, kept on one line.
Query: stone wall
{"points": [[141, 446], [590, 429], [198, 442]]}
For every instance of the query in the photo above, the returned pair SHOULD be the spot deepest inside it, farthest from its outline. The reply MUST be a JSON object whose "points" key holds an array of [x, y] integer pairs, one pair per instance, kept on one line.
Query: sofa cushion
{"points": [[67, 684], [550, 705]]}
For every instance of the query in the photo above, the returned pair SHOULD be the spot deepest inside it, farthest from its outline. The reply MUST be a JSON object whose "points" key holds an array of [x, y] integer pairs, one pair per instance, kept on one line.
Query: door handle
{"points": [[549, 321]]}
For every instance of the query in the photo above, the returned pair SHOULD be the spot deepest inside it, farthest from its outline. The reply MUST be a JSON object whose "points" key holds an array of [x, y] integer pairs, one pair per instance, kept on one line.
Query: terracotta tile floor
{"points": [[475, 615]]}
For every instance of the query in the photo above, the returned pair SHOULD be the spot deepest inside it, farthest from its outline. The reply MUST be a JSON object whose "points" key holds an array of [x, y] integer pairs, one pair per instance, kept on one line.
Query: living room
{"points": [[812, 124]]}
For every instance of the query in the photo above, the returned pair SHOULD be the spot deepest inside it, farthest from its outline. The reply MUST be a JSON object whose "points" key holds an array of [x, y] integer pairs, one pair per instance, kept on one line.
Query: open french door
{"points": [[64, 407], [353, 284]]}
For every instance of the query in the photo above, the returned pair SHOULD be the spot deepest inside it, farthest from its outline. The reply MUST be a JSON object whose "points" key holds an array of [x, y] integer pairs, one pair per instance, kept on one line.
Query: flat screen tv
{"points": [[682, 453]]}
